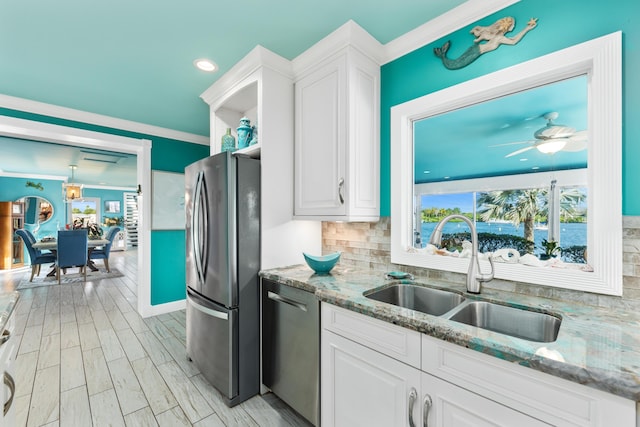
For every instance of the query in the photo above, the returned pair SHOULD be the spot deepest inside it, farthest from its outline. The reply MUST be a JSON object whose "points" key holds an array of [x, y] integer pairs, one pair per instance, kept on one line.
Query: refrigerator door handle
{"points": [[280, 298], [204, 202], [197, 235], [206, 310]]}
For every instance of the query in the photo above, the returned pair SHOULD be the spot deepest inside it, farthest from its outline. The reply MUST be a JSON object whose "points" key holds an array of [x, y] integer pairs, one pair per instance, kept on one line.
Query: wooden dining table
{"points": [[52, 245]]}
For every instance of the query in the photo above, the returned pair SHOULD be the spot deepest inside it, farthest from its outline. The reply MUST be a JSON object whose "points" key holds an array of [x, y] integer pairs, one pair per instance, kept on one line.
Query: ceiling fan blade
{"points": [[577, 142], [577, 145], [510, 143], [522, 150]]}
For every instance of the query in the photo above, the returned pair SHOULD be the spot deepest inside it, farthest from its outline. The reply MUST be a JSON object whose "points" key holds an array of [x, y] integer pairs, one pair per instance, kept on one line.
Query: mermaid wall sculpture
{"points": [[486, 39]]}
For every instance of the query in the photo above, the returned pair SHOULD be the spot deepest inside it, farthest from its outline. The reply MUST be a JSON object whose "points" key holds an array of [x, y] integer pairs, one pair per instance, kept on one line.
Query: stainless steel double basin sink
{"points": [[522, 323]]}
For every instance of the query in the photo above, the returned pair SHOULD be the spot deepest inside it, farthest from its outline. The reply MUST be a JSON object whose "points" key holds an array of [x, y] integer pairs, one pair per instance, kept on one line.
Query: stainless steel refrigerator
{"points": [[222, 198]]}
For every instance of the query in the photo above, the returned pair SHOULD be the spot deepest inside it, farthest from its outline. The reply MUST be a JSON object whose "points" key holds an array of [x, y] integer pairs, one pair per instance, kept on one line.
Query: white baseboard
{"points": [[155, 310]]}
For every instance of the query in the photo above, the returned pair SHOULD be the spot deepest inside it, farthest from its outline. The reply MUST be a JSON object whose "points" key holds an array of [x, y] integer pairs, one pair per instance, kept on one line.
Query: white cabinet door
{"points": [[320, 141], [361, 387], [447, 405], [337, 149]]}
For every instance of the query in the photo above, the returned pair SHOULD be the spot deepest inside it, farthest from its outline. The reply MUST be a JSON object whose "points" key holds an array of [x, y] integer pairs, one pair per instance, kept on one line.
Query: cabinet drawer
{"points": [[397, 342], [548, 398]]}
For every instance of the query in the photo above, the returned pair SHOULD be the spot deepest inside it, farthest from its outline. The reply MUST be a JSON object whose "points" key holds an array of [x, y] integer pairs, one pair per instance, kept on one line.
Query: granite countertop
{"points": [[597, 347], [8, 302]]}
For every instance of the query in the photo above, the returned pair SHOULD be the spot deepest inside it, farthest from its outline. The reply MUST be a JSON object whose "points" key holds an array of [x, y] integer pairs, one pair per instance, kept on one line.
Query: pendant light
{"points": [[72, 191]]}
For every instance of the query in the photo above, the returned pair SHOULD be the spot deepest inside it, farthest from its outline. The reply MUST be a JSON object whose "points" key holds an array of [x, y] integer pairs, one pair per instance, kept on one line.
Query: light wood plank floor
{"points": [[86, 358]]}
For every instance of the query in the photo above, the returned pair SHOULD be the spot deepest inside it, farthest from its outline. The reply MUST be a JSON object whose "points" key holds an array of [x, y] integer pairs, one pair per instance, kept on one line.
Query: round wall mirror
{"points": [[36, 209]]}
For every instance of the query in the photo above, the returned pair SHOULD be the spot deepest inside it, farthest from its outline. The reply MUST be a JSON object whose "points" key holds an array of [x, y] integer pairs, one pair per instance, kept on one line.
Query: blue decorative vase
{"points": [[254, 135], [228, 142], [245, 132]]}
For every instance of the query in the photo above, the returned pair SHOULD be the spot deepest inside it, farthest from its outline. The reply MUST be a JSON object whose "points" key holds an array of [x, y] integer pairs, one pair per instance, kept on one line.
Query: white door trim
{"points": [[38, 131]]}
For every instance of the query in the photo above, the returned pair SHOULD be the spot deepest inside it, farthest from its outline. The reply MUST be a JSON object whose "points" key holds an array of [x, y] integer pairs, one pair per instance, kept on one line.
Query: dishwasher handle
{"points": [[279, 298]]}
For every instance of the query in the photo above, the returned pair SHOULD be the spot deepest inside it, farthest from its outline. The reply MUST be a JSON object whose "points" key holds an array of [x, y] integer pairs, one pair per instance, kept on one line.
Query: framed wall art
{"points": [[167, 202]]}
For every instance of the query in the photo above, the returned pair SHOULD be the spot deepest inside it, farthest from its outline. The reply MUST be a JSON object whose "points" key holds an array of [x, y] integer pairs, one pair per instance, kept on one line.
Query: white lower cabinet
{"points": [[361, 387], [371, 378], [446, 405]]}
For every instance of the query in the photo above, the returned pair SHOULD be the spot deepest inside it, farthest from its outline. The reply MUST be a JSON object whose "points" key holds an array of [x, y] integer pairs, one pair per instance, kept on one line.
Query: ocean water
{"points": [[570, 233]]}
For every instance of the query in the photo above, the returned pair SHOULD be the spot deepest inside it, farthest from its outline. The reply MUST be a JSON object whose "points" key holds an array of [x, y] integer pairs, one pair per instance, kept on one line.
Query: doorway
{"points": [[44, 132]]}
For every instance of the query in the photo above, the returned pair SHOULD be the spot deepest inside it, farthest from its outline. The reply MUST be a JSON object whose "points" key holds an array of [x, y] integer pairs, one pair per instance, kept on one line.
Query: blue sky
{"points": [[464, 201]]}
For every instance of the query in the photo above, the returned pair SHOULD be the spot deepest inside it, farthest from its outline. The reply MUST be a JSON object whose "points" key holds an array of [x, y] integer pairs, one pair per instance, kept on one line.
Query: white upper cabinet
{"points": [[337, 128], [260, 87]]}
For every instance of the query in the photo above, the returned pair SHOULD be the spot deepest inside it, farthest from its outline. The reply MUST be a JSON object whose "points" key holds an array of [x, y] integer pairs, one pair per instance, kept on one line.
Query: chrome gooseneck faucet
{"points": [[474, 276]]}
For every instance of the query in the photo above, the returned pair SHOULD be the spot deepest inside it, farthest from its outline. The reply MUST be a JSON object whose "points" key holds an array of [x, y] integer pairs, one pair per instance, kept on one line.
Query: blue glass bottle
{"points": [[228, 142]]}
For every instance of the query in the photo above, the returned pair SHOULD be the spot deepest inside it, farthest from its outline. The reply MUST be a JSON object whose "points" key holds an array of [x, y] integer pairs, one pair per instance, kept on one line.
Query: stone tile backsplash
{"points": [[368, 246]]}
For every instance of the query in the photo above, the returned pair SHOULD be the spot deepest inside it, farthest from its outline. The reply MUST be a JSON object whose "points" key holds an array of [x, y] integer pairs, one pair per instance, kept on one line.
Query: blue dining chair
{"points": [[103, 252], [34, 240], [72, 250], [37, 256]]}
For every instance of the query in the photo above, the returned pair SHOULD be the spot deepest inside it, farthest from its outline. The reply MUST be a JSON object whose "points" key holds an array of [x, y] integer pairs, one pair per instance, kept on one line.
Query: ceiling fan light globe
{"points": [[552, 146]]}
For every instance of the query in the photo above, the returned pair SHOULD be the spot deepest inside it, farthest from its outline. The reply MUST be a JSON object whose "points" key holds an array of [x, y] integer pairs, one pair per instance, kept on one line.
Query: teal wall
{"points": [[167, 246], [12, 189], [168, 274], [560, 24]]}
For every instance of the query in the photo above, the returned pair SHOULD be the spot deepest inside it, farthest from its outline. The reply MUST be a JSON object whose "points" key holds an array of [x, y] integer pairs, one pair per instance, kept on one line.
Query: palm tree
{"points": [[570, 200], [522, 206], [517, 206]]}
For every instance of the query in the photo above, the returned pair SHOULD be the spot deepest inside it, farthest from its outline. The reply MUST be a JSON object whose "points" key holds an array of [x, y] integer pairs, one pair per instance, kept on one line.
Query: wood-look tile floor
{"points": [[86, 358]]}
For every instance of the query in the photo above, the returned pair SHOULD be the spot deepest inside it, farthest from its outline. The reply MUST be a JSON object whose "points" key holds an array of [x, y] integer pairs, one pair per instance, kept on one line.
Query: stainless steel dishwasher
{"points": [[291, 347]]}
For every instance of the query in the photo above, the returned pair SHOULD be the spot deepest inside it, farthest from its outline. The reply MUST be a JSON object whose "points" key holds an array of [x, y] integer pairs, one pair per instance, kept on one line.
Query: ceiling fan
{"points": [[553, 138]]}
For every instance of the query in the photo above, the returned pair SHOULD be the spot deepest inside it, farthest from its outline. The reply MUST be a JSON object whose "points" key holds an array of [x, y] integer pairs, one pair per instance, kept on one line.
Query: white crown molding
{"points": [[51, 110], [109, 187], [349, 34], [458, 17], [31, 176], [257, 58]]}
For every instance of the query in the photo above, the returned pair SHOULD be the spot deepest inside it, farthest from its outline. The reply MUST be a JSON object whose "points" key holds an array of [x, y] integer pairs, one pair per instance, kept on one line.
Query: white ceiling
{"points": [[94, 167], [134, 60]]}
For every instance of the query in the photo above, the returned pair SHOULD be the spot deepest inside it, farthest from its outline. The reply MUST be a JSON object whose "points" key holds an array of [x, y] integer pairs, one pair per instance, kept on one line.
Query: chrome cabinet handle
{"points": [[340, 187], [280, 298], [6, 334], [9, 382], [426, 409], [413, 396]]}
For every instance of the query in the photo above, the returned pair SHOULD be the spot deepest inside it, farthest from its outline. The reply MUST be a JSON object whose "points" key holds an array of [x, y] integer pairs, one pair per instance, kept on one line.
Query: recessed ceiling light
{"points": [[523, 159], [205, 65], [447, 177], [535, 168], [426, 172]]}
